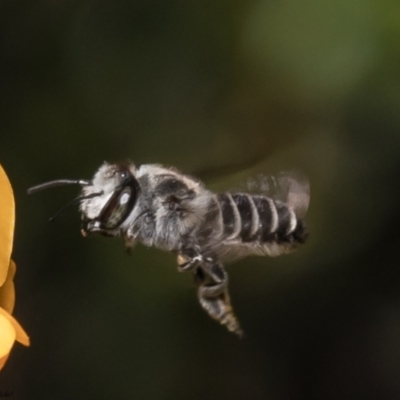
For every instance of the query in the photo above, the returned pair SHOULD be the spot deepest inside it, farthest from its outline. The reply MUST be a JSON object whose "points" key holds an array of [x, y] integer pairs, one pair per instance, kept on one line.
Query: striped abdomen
{"points": [[252, 218]]}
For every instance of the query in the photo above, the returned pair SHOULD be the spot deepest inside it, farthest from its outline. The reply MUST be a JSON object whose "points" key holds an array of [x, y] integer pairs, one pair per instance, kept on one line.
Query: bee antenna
{"points": [[59, 182], [62, 210]]}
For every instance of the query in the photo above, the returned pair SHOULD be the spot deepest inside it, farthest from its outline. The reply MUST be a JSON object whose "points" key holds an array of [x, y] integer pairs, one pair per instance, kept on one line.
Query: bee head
{"points": [[106, 200], [117, 191]]}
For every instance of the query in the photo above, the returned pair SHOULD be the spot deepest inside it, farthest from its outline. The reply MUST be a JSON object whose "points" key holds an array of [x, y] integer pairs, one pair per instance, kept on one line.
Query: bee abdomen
{"points": [[290, 228], [259, 218]]}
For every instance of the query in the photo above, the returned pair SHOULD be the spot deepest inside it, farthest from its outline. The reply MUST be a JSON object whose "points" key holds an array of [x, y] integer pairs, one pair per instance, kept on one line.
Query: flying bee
{"points": [[162, 207]]}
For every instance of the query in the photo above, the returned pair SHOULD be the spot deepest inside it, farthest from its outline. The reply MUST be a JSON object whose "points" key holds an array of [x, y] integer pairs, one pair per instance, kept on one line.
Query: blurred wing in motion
{"points": [[289, 187]]}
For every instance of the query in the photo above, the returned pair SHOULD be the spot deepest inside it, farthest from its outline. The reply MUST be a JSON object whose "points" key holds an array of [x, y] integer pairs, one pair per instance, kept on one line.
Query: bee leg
{"points": [[212, 282], [214, 298], [129, 245], [217, 282], [129, 241], [188, 259], [188, 264]]}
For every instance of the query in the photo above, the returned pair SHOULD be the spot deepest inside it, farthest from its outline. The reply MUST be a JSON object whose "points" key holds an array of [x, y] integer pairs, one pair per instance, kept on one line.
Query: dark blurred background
{"points": [[220, 89]]}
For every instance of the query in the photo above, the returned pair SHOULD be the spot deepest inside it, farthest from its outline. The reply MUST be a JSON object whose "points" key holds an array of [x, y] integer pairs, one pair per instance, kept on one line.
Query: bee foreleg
{"points": [[129, 241]]}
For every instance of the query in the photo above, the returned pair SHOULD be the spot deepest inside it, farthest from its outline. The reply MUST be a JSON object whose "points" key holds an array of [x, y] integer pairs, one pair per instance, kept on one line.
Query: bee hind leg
{"points": [[189, 257], [212, 283], [214, 297], [215, 284], [188, 264]]}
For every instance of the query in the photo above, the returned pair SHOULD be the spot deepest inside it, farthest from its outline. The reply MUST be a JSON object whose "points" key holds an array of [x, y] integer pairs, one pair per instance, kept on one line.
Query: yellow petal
{"points": [[7, 338], [21, 335], [7, 291], [3, 360], [7, 220]]}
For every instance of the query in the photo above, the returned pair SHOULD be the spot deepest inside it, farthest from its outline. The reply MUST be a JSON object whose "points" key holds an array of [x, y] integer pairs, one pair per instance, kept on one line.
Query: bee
{"points": [[161, 207]]}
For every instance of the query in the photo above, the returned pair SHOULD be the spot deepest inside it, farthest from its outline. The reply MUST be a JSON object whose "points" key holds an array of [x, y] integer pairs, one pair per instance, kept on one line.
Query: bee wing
{"points": [[289, 187]]}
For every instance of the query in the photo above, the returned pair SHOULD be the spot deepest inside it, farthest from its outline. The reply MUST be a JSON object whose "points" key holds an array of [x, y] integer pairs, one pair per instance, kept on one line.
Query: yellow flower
{"points": [[10, 330]]}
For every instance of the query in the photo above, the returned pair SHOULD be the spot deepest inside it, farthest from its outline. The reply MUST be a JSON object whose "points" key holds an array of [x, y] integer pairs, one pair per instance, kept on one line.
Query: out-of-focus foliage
{"points": [[10, 330], [221, 89]]}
